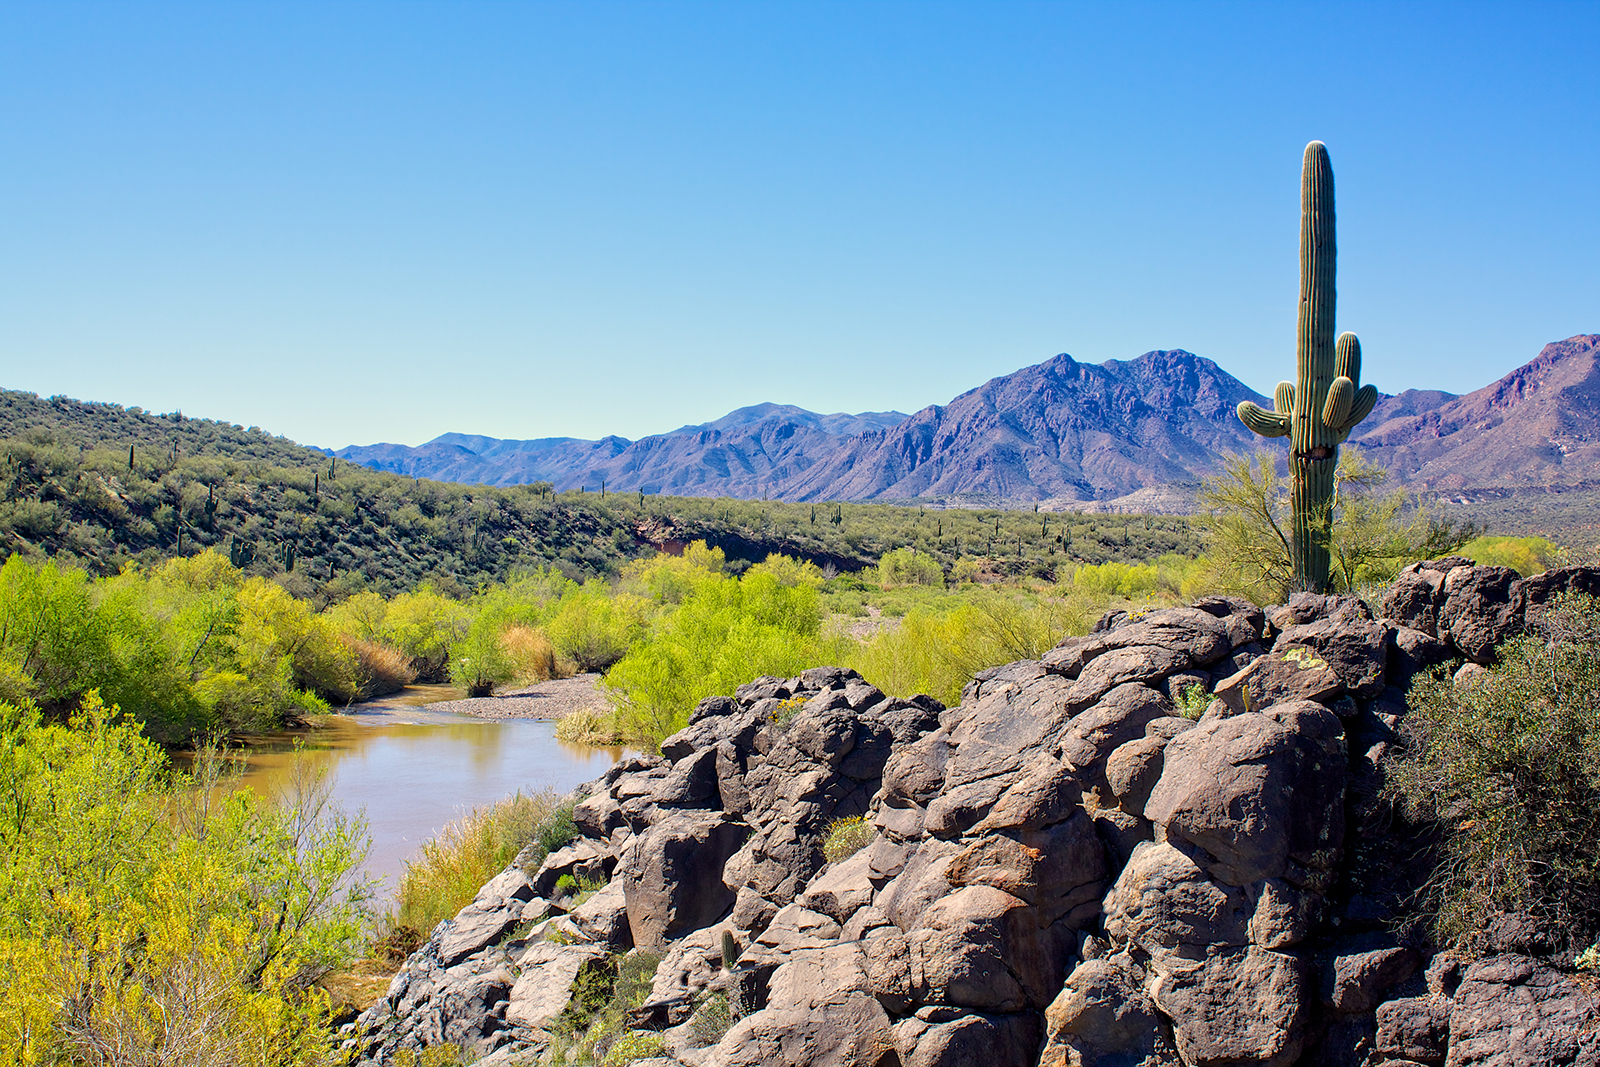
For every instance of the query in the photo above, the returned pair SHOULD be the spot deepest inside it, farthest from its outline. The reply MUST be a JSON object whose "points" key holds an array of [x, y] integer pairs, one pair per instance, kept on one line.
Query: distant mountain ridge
{"points": [[1060, 433]]}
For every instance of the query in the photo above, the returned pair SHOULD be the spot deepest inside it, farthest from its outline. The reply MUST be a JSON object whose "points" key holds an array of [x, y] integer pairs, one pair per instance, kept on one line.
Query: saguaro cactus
{"points": [[1318, 411]]}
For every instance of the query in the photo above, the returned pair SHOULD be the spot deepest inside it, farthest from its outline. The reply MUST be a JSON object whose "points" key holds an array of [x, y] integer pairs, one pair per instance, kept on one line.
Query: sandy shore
{"points": [[546, 700]]}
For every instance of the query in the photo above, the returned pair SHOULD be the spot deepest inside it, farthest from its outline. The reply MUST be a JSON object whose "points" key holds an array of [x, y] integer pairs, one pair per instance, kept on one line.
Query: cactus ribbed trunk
{"points": [[1314, 446], [1318, 410]]}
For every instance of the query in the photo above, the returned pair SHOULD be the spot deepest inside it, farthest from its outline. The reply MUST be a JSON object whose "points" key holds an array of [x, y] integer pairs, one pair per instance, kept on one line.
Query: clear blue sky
{"points": [[353, 222]]}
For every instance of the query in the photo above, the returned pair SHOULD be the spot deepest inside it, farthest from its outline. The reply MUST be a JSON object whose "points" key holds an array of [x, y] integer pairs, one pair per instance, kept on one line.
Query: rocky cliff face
{"points": [[1061, 869]]}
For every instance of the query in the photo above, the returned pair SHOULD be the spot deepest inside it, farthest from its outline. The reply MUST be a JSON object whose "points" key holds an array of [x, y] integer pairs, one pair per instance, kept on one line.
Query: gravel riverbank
{"points": [[545, 700]]}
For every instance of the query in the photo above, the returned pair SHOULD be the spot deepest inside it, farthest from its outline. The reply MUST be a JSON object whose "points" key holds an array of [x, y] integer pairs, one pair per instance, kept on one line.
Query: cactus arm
{"points": [[1261, 421], [1347, 356], [1366, 399], [1283, 398], [1360, 408], [1341, 394]]}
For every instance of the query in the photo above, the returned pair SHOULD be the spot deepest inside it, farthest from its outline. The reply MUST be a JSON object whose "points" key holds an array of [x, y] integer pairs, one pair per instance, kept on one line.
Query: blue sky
{"points": [[353, 222]]}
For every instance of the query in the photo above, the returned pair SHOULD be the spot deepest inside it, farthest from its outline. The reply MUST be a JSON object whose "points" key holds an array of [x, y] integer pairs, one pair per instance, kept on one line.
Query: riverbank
{"points": [[546, 701]]}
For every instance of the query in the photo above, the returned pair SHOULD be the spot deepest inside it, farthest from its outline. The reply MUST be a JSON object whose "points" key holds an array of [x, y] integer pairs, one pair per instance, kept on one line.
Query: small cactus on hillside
{"points": [[1317, 411]]}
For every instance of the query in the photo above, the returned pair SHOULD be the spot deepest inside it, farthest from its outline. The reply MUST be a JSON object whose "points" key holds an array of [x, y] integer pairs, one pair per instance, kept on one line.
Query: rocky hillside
{"points": [[1061, 429], [1539, 425], [1137, 434], [746, 453], [1061, 869]]}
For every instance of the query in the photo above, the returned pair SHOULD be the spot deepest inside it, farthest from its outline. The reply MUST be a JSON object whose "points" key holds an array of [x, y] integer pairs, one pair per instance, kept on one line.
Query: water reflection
{"points": [[414, 770]]}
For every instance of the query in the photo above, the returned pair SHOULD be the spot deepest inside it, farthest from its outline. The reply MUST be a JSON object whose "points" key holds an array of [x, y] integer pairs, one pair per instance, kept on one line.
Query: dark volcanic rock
{"points": [[1057, 871]]}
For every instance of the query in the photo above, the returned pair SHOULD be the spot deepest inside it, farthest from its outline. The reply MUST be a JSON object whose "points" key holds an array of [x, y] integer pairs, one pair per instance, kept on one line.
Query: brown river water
{"points": [[412, 770]]}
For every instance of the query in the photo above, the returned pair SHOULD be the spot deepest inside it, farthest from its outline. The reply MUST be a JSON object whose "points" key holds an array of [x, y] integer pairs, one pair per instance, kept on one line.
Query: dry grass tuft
{"points": [[589, 726], [449, 869], [382, 669], [532, 655]]}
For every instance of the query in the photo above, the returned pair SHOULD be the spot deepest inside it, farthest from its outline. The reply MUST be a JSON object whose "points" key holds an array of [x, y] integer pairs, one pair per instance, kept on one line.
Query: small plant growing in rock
{"points": [[1193, 701], [712, 1020], [592, 1036], [634, 1045], [787, 710], [1588, 959], [846, 837]]}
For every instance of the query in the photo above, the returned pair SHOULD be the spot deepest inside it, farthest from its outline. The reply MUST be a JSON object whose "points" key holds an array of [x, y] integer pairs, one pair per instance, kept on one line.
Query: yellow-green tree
{"points": [[140, 924]]}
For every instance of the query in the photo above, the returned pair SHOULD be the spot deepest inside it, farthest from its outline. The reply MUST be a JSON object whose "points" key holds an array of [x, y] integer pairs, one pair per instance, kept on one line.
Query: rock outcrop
{"points": [[1061, 869]]}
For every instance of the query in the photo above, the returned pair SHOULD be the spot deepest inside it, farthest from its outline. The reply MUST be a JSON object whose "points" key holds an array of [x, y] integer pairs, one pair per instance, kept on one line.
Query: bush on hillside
{"points": [[1525, 555], [907, 566], [1508, 768]]}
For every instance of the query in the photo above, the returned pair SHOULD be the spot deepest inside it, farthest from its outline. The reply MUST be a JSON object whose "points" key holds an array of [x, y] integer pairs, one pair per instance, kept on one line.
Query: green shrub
{"points": [[634, 1045], [478, 661], [1117, 579], [907, 566], [593, 627], [724, 633], [937, 652], [152, 899], [1193, 701], [1508, 768], [712, 1020], [1525, 555], [607, 999], [845, 837]]}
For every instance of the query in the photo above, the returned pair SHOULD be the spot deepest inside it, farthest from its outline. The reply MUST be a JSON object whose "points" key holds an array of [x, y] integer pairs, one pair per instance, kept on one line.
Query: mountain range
{"points": [[1136, 434]]}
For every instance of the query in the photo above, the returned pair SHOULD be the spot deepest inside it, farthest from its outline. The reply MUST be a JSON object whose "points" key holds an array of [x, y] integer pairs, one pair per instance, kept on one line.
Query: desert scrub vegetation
{"points": [[593, 1031], [98, 486], [454, 864], [1507, 768], [1525, 555], [1247, 529], [845, 837], [940, 645], [188, 648], [144, 920], [722, 633]]}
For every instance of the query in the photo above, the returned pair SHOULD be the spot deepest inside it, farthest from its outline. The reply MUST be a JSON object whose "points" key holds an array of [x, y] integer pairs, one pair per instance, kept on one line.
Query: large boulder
{"points": [[1247, 1005], [820, 1012], [983, 949], [1103, 1018], [672, 875], [1478, 610], [1164, 903], [1257, 792], [1514, 1011], [1417, 595]]}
